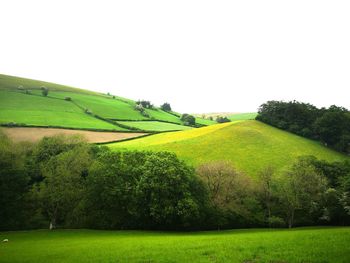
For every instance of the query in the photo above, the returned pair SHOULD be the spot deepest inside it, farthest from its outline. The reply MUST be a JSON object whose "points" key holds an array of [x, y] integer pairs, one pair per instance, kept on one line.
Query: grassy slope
{"points": [[11, 82], [255, 245], [37, 110], [243, 116], [155, 125], [159, 114], [248, 145], [205, 121], [106, 107]]}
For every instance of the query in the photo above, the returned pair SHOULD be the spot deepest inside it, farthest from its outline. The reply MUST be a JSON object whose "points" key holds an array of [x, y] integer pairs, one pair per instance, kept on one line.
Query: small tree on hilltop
{"points": [[166, 107]]}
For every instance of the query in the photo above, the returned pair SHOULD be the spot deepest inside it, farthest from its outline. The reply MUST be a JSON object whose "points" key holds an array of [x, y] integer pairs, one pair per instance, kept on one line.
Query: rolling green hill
{"points": [[35, 110], [242, 116], [21, 103], [248, 145], [154, 125]]}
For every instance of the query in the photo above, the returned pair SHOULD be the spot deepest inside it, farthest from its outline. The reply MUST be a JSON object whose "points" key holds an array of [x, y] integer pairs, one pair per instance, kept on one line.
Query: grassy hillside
{"points": [[37, 110], [254, 245], [53, 110], [242, 116], [12, 83], [154, 125], [248, 145]]}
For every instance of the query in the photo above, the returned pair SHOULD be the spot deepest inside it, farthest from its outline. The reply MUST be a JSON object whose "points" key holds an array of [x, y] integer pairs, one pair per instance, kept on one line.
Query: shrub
{"points": [[68, 98], [188, 119], [166, 107], [145, 104], [44, 91], [87, 111], [220, 119]]}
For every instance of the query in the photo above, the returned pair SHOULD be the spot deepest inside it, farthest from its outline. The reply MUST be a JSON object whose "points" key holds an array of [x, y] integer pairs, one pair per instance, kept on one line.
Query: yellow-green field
{"points": [[248, 145]]}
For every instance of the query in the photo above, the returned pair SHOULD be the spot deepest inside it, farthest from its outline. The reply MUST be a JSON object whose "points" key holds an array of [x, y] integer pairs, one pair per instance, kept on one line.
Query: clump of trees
{"points": [[141, 109], [165, 107], [188, 119], [221, 119], [64, 182], [329, 125], [145, 104]]}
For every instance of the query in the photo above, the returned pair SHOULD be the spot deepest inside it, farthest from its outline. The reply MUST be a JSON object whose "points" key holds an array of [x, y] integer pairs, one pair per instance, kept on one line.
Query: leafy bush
{"points": [[188, 119], [220, 119], [165, 107], [44, 91]]}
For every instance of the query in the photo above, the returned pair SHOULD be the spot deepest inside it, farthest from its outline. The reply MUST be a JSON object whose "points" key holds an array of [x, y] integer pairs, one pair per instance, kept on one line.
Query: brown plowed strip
{"points": [[19, 134]]}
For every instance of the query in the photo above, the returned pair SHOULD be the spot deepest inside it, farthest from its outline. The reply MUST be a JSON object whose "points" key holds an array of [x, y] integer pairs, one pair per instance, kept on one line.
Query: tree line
{"points": [[64, 182], [329, 125]]}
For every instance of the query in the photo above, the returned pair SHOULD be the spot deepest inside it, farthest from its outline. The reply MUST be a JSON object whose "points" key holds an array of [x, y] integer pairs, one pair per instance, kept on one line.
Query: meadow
{"points": [[249, 145], [155, 125], [54, 110], [36, 110], [243, 116], [318, 244]]}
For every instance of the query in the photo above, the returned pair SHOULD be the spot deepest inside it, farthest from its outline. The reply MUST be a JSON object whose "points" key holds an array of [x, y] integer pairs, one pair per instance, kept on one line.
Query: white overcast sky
{"points": [[201, 56]]}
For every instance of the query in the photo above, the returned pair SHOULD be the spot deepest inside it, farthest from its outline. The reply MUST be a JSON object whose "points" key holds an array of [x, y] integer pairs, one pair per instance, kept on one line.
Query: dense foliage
{"points": [[221, 119], [65, 182], [165, 107], [329, 125], [188, 119]]}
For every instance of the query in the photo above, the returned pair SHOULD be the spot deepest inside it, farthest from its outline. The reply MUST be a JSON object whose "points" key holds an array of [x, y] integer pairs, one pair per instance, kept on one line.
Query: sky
{"points": [[200, 56]]}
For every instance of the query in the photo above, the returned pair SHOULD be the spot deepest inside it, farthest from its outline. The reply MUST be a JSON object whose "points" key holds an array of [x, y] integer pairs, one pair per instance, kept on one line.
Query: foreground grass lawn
{"points": [[256, 245]]}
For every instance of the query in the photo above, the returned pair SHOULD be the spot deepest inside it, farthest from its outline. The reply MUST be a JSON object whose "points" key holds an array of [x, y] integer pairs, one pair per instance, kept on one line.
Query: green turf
{"points": [[158, 114], [12, 83], [255, 245], [248, 145], [99, 104], [44, 111], [243, 116], [205, 121], [105, 107], [155, 125]]}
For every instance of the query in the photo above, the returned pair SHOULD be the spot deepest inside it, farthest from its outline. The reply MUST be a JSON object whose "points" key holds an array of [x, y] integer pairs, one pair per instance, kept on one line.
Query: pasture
{"points": [[36, 110], [155, 125], [243, 116], [249, 145], [318, 244]]}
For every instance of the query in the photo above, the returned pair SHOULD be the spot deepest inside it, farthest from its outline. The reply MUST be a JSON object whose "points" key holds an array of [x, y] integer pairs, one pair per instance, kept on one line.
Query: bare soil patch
{"points": [[32, 134]]}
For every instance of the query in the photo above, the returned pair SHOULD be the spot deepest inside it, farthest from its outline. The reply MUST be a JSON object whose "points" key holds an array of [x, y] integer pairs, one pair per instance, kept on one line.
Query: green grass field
{"points": [[248, 145], [158, 114], [53, 110], [37, 110], [12, 82], [155, 125], [205, 121], [255, 245], [106, 107], [243, 116]]}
